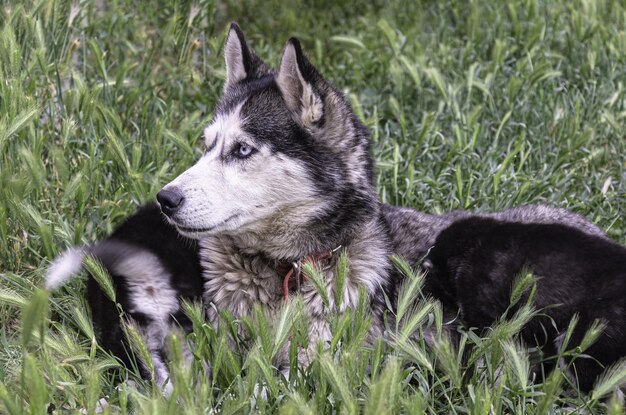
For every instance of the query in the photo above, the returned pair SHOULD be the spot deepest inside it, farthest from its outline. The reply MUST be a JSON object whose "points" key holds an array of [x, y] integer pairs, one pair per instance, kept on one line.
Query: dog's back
{"points": [[415, 232]]}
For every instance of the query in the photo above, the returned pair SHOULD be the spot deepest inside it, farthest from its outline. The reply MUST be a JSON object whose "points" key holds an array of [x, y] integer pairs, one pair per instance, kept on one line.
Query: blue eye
{"points": [[244, 150]]}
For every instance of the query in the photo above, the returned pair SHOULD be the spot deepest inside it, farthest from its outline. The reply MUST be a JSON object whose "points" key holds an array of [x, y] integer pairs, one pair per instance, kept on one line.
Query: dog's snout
{"points": [[170, 200]]}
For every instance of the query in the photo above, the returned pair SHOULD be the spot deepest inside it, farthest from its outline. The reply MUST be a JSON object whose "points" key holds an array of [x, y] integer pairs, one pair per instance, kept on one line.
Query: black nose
{"points": [[170, 200]]}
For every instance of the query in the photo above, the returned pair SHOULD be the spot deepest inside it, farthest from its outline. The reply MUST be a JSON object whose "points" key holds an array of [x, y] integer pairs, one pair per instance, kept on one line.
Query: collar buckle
{"points": [[296, 268]]}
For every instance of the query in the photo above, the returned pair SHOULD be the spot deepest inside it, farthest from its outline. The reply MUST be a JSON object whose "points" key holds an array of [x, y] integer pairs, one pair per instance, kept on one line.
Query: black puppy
{"points": [[153, 268], [475, 261]]}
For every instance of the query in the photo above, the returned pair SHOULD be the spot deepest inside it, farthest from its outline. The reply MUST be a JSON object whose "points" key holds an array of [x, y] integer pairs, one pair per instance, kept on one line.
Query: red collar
{"points": [[290, 284]]}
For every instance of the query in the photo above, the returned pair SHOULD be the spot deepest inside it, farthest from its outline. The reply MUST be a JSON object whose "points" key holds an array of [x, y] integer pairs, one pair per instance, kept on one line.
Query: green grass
{"points": [[471, 104]]}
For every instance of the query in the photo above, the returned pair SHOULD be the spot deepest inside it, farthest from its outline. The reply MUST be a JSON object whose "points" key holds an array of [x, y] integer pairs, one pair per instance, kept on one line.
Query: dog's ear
{"points": [[297, 79], [241, 61]]}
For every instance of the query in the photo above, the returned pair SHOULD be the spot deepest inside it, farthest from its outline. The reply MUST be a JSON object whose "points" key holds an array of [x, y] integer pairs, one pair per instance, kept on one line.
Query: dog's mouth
{"points": [[194, 232]]}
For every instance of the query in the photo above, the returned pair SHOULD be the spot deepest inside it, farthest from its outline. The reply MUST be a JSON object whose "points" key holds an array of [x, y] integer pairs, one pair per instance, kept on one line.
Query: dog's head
{"points": [[283, 147]]}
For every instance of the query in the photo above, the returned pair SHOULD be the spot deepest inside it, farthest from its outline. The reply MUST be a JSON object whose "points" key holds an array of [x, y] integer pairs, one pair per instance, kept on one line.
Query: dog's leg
{"points": [[319, 331]]}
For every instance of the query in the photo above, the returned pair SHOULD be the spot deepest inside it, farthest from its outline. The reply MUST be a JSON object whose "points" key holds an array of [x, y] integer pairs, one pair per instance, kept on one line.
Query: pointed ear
{"points": [[297, 79], [241, 62]]}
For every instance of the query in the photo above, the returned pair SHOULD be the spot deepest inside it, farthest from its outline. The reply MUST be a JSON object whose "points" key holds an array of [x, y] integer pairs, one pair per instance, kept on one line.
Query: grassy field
{"points": [[480, 105]]}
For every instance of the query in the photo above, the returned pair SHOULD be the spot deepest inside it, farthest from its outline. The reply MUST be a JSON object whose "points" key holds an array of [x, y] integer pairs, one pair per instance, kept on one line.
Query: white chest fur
{"points": [[234, 281]]}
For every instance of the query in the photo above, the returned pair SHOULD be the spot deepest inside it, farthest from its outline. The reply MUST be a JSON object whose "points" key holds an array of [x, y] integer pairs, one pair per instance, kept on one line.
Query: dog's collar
{"points": [[295, 269]]}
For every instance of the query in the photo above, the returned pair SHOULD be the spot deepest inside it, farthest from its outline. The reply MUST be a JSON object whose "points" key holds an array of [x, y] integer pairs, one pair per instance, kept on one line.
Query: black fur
{"points": [[475, 261], [146, 229]]}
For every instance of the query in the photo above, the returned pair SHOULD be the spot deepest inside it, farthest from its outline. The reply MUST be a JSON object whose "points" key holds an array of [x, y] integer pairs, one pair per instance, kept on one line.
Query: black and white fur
{"points": [[152, 268], [475, 261], [287, 172]]}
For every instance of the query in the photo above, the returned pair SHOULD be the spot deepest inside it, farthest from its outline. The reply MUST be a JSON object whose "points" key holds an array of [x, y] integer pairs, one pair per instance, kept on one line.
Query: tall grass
{"points": [[479, 105]]}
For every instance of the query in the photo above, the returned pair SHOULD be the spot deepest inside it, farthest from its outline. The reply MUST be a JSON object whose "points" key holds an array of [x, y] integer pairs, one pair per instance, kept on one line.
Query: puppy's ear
{"points": [[241, 61], [297, 79]]}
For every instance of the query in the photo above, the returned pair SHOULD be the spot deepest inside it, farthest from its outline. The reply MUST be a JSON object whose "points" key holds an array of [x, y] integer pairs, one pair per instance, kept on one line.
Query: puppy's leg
{"points": [[585, 369], [155, 333]]}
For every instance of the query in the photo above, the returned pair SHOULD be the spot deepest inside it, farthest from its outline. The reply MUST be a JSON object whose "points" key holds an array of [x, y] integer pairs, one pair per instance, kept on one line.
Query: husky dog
{"points": [[286, 177], [475, 260]]}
